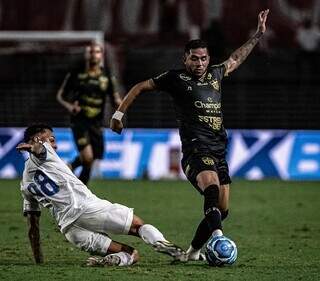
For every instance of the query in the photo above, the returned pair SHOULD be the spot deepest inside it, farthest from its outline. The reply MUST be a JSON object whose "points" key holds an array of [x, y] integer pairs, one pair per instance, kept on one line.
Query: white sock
{"points": [[193, 254], [217, 232], [125, 258], [150, 234]]}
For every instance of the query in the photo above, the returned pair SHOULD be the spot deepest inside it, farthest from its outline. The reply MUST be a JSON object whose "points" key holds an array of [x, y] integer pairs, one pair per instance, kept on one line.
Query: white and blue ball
{"points": [[221, 250]]}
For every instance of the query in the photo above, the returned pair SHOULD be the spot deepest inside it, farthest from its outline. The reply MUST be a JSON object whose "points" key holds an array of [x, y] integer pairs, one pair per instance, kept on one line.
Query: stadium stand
{"points": [[268, 92]]}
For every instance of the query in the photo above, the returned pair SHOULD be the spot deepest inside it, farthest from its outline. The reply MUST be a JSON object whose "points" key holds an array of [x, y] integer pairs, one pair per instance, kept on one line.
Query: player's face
{"points": [[197, 61], [48, 136], [94, 54]]}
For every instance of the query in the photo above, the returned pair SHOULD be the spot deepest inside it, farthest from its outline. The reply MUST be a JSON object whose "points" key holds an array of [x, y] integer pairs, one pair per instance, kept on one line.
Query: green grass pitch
{"points": [[275, 225]]}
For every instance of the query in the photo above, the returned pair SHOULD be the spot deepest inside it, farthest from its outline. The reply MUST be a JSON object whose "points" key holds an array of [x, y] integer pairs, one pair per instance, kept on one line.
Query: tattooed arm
{"points": [[239, 55]]}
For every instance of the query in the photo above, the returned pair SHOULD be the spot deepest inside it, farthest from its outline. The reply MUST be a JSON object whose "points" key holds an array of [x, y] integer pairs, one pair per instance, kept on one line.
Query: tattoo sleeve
{"points": [[241, 53]]}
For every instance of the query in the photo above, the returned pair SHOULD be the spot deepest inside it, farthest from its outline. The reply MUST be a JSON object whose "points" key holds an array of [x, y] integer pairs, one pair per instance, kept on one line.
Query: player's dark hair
{"points": [[35, 129], [195, 44]]}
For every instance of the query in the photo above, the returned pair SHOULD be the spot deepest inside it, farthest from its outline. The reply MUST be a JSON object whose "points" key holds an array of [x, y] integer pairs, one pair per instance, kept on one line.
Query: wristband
{"points": [[118, 115]]}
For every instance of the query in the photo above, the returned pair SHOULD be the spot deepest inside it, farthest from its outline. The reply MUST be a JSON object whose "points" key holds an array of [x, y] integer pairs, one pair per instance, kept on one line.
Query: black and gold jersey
{"points": [[198, 108], [91, 92]]}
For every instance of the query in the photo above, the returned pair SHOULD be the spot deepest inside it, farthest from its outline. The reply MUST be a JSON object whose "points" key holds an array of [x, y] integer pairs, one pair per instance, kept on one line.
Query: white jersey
{"points": [[47, 181]]}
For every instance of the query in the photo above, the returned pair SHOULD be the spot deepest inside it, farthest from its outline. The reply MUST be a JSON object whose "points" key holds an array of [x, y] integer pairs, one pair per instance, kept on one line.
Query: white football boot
{"points": [[109, 260], [170, 249]]}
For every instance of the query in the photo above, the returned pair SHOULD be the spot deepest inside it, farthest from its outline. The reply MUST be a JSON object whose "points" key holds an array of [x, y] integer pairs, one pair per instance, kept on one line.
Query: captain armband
{"points": [[118, 115]]}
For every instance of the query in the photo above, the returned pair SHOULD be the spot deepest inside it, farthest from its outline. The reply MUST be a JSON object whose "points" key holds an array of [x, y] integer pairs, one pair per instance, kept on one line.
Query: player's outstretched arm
{"points": [[36, 148], [34, 236], [116, 124], [239, 55]]}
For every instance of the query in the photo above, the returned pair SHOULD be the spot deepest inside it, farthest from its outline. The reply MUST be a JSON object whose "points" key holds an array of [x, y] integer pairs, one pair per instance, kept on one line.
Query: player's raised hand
{"points": [[116, 125], [262, 18], [24, 147]]}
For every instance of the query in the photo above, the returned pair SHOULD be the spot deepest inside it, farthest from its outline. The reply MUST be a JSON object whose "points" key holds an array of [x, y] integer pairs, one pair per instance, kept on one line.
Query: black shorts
{"points": [[85, 134], [201, 160]]}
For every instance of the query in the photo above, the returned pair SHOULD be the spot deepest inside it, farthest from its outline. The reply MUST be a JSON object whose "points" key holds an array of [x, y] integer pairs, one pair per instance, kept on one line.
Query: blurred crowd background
{"points": [[276, 88]]}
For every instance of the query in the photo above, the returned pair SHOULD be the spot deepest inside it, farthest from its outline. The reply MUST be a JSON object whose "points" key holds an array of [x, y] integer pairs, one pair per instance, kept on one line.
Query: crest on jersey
{"points": [[215, 84], [103, 83], [208, 161], [185, 77], [209, 76]]}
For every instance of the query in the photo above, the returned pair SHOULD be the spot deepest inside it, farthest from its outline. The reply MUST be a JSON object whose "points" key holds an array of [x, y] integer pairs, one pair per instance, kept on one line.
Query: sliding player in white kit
{"points": [[82, 217]]}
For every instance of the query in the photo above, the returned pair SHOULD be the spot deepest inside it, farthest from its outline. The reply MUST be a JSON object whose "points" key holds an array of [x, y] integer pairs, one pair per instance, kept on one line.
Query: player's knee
{"points": [[137, 222], [87, 161], [207, 178]]}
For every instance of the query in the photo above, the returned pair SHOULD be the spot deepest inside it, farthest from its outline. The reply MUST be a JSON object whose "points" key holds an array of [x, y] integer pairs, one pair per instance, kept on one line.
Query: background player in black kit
{"points": [[83, 93], [196, 93]]}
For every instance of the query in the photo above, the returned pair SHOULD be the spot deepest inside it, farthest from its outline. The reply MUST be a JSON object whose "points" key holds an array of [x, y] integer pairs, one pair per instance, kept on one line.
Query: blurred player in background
{"points": [[83, 218], [83, 94], [196, 93]]}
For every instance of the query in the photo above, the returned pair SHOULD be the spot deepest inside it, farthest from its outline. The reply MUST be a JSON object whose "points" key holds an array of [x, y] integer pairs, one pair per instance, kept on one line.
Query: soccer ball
{"points": [[221, 250]]}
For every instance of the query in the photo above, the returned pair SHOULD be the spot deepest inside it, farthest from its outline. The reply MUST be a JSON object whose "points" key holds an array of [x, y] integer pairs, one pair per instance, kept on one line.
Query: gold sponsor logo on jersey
{"points": [[185, 77], [103, 83], [208, 161], [213, 122], [215, 84], [208, 105]]}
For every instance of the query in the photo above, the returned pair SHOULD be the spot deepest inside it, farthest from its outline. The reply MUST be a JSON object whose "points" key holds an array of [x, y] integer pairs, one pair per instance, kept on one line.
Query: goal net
{"points": [[35, 64]]}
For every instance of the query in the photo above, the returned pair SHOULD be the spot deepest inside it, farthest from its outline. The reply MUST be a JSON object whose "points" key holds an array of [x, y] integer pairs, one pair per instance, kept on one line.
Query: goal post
{"points": [[49, 36]]}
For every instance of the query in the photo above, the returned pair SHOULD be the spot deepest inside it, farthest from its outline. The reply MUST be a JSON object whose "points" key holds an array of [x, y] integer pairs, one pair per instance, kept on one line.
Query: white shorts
{"points": [[90, 231]]}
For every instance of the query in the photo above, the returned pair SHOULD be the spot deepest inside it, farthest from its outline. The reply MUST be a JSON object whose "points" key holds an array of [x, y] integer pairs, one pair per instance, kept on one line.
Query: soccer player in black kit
{"points": [[83, 93], [196, 93]]}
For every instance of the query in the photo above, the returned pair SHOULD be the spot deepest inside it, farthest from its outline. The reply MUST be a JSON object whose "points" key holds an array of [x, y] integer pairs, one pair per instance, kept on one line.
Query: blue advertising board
{"points": [[136, 153]]}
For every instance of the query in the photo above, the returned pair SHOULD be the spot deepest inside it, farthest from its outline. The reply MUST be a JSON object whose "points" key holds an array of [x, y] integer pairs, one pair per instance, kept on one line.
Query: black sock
{"points": [[75, 163], [202, 235], [85, 174], [211, 211]]}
